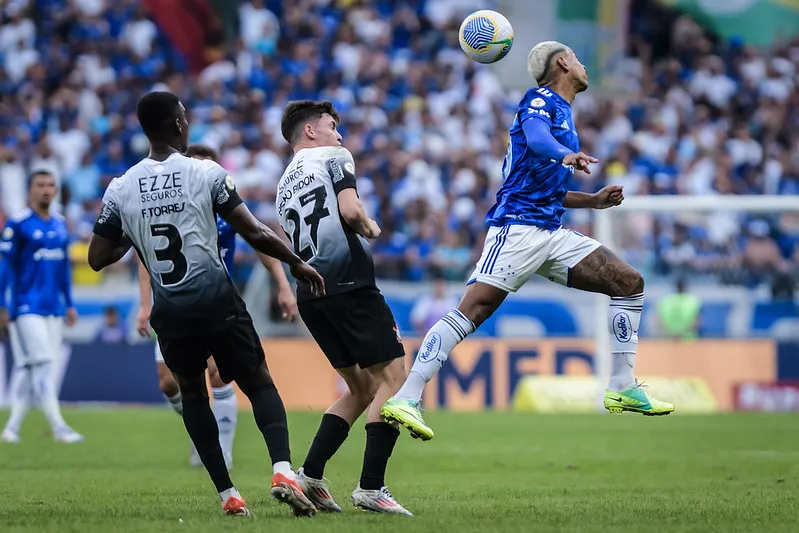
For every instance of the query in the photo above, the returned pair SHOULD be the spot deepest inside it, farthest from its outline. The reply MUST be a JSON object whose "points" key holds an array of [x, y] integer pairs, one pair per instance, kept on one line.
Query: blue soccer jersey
{"points": [[534, 184], [226, 242], [36, 265]]}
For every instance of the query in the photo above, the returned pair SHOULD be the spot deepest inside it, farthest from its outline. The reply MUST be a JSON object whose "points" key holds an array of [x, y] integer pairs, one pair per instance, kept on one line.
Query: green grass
{"points": [[487, 472]]}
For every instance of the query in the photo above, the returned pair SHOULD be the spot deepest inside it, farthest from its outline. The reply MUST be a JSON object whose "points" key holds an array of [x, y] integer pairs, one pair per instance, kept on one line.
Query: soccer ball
{"points": [[486, 36]]}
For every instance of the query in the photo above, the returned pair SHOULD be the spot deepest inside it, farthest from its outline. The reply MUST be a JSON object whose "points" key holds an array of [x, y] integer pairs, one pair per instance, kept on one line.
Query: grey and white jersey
{"points": [[307, 208], [168, 211]]}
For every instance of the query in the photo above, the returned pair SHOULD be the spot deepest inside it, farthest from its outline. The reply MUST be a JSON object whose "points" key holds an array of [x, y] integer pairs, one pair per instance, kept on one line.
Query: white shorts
{"points": [[36, 339], [159, 357], [513, 253]]}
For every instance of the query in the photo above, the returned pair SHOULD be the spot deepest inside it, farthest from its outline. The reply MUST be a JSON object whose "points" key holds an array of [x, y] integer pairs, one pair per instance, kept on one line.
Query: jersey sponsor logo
{"points": [[222, 196], [622, 328], [46, 254], [38, 234], [106, 212], [542, 112], [430, 349], [229, 182], [160, 182], [538, 102], [8, 233], [158, 210], [336, 173]]}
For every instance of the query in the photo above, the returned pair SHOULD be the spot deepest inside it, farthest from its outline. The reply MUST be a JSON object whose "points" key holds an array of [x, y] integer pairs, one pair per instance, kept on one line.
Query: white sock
{"points": [[226, 412], [20, 392], [283, 467], [433, 353], [225, 494], [176, 402], [624, 317], [44, 389]]}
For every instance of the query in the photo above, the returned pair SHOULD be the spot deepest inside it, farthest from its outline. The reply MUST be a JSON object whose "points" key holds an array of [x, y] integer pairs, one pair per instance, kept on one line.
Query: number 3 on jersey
{"points": [[311, 227], [172, 252]]}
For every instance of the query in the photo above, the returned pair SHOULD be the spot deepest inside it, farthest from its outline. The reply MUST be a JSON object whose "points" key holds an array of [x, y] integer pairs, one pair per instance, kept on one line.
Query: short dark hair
{"points": [[155, 110], [202, 151], [300, 112], [36, 173]]}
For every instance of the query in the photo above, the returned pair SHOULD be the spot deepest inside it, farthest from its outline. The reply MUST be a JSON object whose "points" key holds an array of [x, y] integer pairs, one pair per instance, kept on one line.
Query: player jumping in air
{"points": [[225, 405], [318, 208], [35, 266], [525, 237], [166, 207]]}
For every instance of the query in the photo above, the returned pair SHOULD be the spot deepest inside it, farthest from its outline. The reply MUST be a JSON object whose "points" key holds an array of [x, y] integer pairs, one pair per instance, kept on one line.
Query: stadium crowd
{"points": [[427, 127]]}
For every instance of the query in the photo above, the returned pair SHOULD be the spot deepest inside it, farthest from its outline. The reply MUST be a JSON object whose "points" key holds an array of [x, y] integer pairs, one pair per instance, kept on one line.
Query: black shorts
{"points": [[236, 349], [354, 328]]}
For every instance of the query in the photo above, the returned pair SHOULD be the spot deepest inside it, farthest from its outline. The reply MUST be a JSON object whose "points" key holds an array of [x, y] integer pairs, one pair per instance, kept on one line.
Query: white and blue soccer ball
{"points": [[486, 36]]}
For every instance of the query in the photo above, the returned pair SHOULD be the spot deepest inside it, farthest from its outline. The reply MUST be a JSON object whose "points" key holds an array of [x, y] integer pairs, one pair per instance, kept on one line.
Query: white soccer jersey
{"points": [[307, 208], [168, 211]]}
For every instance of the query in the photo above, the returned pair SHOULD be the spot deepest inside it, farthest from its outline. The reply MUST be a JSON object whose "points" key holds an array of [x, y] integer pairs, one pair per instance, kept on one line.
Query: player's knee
{"points": [[215, 379], [255, 380], [168, 385], [392, 376], [633, 283]]}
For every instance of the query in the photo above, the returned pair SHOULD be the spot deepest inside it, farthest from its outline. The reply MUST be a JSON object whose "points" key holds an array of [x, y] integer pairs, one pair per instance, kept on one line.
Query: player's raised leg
{"points": [[510, 255], [226, 411], [332, 432], [603, 272]]}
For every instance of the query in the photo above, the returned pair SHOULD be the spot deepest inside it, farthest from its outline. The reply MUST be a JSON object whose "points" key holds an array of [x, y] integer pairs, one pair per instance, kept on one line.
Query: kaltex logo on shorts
{"points": [[430, 349], [621, 327]]}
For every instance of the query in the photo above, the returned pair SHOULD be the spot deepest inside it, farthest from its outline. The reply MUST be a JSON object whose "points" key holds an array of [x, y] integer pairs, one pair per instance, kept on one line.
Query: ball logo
{"points": [[538, 102], [621, 327], [8, 233], [229, 182], [430, 348], [349, 168]]}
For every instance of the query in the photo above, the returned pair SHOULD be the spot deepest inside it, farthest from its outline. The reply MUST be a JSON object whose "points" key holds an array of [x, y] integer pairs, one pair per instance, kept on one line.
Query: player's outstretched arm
{"points": [[609, 196], [285, 294], [145, 301], [266, 241]]}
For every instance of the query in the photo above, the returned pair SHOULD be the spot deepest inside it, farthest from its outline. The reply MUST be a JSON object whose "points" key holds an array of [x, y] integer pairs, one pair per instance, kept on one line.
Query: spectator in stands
{"points": [[112, 330], [678, 313]]}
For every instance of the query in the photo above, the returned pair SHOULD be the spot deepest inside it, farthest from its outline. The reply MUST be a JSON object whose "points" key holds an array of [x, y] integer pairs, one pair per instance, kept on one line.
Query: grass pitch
{"points": [[486, 472]]}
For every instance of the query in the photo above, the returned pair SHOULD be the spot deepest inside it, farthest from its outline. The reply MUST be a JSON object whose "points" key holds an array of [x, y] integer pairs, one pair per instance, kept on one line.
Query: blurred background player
{"points": [[37, 271], [166, 206], [526, 237], [225, 404], [319, 209]]}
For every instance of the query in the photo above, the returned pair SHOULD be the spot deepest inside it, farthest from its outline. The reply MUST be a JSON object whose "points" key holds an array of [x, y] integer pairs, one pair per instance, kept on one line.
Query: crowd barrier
{"points": [[481, 374]]}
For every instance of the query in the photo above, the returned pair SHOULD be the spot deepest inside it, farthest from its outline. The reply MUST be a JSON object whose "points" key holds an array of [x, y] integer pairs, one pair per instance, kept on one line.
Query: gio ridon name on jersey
{"points": [[294, 182], [161, 187]]}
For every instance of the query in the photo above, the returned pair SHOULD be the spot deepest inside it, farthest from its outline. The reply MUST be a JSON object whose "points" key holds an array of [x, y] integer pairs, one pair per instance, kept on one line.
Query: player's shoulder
{"points": [[333, 152], [539, 97], [20, 216]]}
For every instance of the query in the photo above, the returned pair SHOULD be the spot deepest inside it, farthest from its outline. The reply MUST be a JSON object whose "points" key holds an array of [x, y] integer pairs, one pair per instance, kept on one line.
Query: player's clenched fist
{"points": [[373, 229], [580, 161], [308, 274]]}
